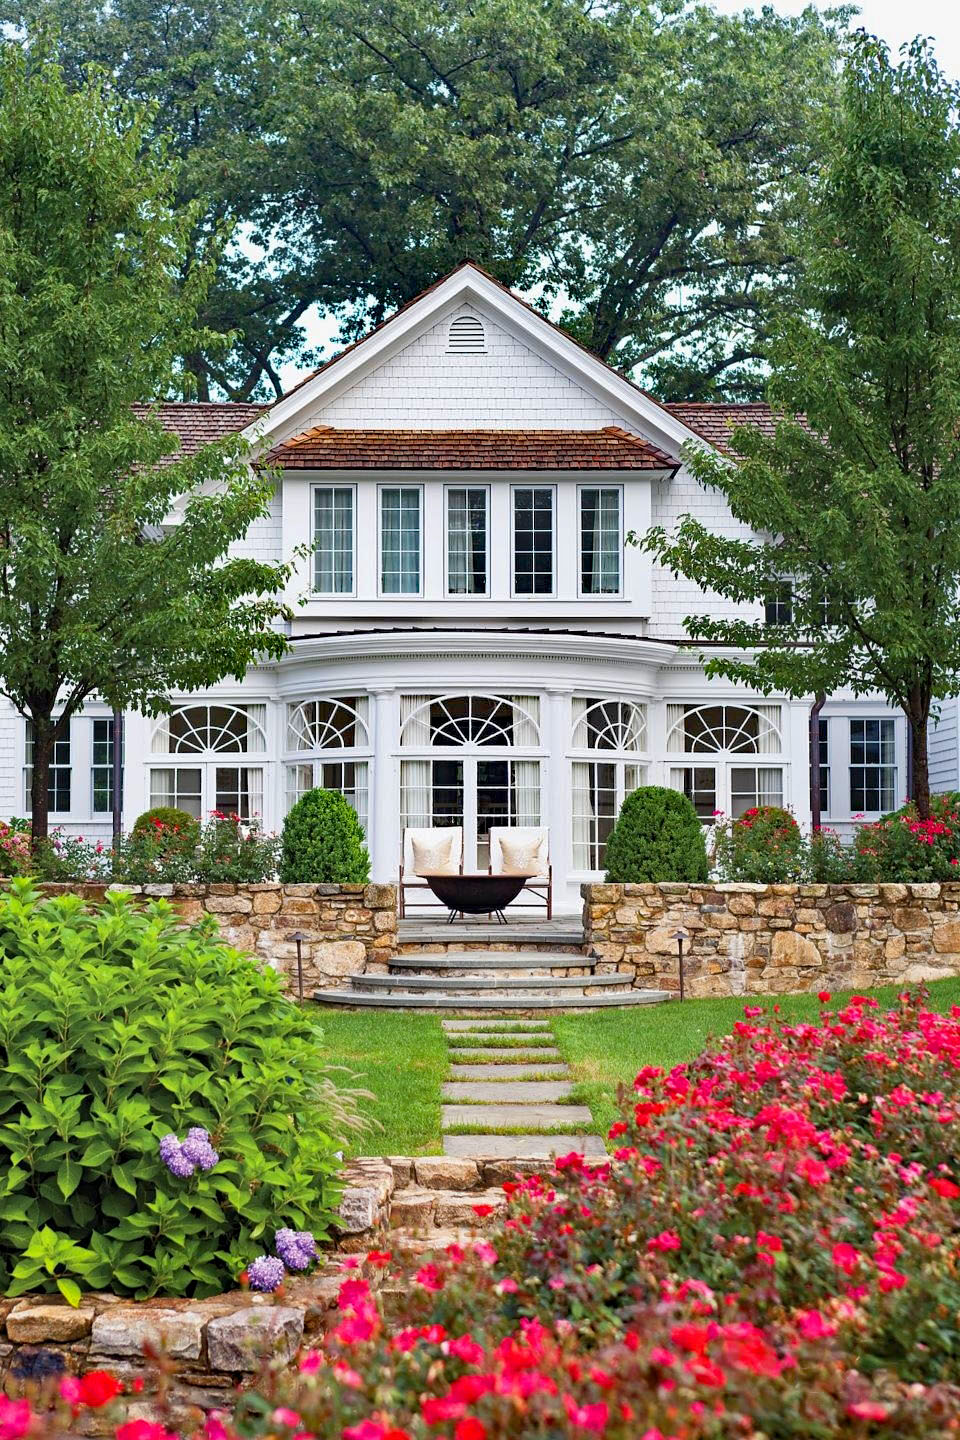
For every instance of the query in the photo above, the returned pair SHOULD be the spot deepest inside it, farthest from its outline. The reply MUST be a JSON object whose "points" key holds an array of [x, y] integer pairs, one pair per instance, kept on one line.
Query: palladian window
{"points": [[328, 747], [720, 740], [608, 740], [207, 746]]}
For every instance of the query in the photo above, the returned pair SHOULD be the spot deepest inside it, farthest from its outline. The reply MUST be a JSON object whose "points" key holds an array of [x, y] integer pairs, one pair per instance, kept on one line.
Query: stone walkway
{"points": [[509, 1076]]}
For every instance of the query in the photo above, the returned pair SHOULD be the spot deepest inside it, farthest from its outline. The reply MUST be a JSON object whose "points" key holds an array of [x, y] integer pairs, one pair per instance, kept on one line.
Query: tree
{"points": [[853, 499], [632, 163], [100, 592]]}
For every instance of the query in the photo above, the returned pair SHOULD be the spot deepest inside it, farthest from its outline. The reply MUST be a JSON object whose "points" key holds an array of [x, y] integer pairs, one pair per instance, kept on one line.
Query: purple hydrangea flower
{"points": [[172, 1155], [198, 1150], [296, 1248], [265, 1273]]}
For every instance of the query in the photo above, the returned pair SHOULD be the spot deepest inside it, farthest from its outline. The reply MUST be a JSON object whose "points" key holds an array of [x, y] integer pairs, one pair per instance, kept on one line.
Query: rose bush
{"points": [[764, 845], [771, 1251]]}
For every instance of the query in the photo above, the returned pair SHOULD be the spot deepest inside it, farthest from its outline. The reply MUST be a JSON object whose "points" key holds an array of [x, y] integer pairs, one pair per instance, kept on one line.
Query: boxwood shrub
{"points": [[117, 1028], [323, 842], [178, 831], [657, 837]]}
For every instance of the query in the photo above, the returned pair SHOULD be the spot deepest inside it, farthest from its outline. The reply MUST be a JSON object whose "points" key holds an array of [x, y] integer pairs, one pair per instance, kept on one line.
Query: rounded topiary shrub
{"points": [[323, 842], [178, 832], [120, 1030], [657, 837]]}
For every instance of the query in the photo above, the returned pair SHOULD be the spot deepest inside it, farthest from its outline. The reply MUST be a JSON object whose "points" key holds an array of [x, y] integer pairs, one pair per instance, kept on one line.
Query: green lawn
{"points": [[402, 1060], [605, 1047]]}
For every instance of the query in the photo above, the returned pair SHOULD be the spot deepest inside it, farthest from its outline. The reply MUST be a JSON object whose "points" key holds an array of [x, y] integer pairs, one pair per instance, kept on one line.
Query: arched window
{"points": [[441, 721], [319, 729], [725, 734], [465, 336], [202, 734], [615, 731]]}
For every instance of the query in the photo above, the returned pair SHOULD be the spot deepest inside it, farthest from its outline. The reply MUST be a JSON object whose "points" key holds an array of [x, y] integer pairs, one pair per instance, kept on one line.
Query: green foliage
{"points": [[101, 287], [177, 832], [764, 845], [323, 842], [117, 1027], [657, 837], [860, 483], [231, 850], [904, 848], [635, 161]]}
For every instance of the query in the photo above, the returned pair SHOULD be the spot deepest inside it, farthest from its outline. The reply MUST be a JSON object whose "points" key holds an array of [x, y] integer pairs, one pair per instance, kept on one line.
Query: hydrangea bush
{"points": [[120, 1033], [772, 1252]]}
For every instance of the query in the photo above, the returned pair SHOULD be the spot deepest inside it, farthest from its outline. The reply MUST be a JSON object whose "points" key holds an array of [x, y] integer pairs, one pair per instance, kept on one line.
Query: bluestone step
{"points": [[549, 1070], [494, 1053], [451, 1027], [526, 1117], [365, 1000], [470, 960], [535, 984], [519, 1092], [521, 1147]]}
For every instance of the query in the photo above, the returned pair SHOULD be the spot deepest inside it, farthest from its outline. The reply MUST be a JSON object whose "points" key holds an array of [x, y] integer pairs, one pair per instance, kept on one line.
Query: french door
{"points": [[473, 791]]}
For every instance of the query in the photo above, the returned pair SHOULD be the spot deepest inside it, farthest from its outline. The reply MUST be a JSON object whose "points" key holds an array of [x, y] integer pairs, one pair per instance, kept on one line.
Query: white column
{"points": [[796, 755], [556, 799], [657, 742], [383, 829]]}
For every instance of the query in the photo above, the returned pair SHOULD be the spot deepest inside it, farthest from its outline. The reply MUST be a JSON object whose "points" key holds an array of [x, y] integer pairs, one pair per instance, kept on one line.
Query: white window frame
{"points": [[400, 595], [893, 767], [350, 594], [483, 594], [533, 595], [594, 594], [208, 761], [315, 757], [68, 739]]}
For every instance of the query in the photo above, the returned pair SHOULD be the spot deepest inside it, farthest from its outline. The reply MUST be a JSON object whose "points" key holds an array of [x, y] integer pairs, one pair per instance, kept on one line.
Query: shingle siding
{"points": [[942, 746]]}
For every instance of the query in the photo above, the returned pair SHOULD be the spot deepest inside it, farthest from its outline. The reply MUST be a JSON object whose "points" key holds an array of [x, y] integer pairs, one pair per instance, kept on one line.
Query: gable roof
{"points": [[196, 423], [612, 448]]}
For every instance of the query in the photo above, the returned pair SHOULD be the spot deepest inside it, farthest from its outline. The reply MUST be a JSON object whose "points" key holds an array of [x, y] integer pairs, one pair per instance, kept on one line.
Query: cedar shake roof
{"points": [[326, 447], [197, 422], [714, 419]]}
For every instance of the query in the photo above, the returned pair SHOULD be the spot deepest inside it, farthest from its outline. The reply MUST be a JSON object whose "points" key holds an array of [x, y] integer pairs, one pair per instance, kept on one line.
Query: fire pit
{"points": [[476, 894]]}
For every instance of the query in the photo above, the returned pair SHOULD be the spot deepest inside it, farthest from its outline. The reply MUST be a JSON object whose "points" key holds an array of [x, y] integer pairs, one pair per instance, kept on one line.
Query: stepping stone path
{"points": [[506, 1078]]}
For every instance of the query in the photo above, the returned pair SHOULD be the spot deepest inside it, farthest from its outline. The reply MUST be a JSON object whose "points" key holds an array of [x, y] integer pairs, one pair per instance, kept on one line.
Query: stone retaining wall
{"points": [[765, 939], [211, 1347], [349, 928]]}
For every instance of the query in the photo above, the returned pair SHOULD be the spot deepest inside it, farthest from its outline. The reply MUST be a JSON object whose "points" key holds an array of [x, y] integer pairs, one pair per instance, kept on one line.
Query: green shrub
{"points": [[177, 831], [903, 849], [323, 842], [763, 845], [657, 837], [230, 850], [116, 1029]]}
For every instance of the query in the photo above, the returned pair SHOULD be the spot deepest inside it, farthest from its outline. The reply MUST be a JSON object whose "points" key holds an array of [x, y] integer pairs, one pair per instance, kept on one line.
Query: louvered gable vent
{"points": [[466, 336]]}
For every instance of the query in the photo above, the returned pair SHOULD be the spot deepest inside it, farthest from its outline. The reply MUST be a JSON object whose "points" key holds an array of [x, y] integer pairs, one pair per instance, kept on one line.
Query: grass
{"points": [[402, 1060], [607, 1047]]}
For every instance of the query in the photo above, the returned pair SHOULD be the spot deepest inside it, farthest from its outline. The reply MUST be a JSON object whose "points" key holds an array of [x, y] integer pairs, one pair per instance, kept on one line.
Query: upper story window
{"points": [[533, 539], [401, 509], [778, 606], [873, 770], [58, 784], [333, 539], [601, 542], [465, 336], [467, 548]]}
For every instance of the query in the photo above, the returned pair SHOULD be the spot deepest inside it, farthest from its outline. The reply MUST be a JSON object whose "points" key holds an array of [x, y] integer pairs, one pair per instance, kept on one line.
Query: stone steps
{"points": [[360, 999], [466, 962], [536, 984]]}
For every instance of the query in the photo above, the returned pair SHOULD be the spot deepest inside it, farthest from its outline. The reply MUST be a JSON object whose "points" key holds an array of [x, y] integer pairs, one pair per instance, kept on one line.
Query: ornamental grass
{"points": [[771, 1251]]}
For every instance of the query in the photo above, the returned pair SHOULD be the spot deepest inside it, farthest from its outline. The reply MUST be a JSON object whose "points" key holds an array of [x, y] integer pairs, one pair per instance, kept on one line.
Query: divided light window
{"points": [[873, 771], [601, 544], [58, 785], [467, 540], [533, 509], [101, 771], [333, 539], [400, 547]]}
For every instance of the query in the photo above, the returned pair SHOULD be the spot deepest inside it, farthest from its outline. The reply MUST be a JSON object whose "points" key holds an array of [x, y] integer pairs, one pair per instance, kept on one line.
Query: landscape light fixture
{"points": [[298, 936], [680, 936]]}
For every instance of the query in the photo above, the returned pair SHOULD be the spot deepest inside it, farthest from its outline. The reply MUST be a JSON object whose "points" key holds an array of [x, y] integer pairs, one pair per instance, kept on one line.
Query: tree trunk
{"points": [[40, 781], [918, 716]]}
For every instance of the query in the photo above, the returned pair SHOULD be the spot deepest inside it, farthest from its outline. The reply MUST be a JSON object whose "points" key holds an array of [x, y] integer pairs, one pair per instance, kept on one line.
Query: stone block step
{"points": [[522, 1147], [509, 1074], [549, 1057], [451, 1027], [520, 1117], [366, 1000], [471, 960], [527, 1039], [534, 983], [542, 933], [416, 1207], [496, 1092]]}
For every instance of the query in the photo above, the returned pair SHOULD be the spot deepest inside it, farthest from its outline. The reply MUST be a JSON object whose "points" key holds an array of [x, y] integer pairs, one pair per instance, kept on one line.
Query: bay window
{"points": [[725, 735], [327, 746], [192, 776]]}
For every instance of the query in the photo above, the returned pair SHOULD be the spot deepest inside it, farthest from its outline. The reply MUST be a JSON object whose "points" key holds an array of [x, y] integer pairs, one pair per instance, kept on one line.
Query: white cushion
{"points": [[436, 854], [536, 835], [518, 856]]}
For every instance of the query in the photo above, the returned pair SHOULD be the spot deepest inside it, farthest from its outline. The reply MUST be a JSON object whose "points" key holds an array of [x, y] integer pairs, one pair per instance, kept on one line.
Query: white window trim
{"points": [[591, 594], [534, 595], [461, 595], [392, 595], [895, 766], [332, 594]]}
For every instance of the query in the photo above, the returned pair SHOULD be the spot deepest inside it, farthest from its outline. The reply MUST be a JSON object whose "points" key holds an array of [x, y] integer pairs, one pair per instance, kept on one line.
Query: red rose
{"points": [[98, 1388]]}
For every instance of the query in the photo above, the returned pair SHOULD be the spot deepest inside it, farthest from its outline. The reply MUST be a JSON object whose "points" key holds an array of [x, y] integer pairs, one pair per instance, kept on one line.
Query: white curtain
{"points": [[526, 791], [677, 778], [579, 707], [256, 729], [769, 741], [362, 733], [254, 792], [675, 735], [161, 787], [526, 721], [160, 744], [459, 543], [416, 799], [583, 813], [770, 787]]}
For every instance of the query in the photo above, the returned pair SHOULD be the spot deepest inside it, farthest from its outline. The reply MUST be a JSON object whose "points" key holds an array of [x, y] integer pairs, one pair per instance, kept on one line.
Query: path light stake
{"points": [[680, 936], [299, 936]]}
